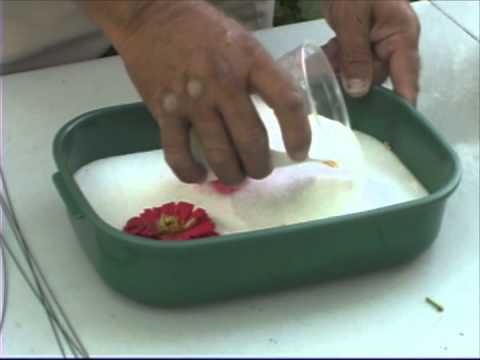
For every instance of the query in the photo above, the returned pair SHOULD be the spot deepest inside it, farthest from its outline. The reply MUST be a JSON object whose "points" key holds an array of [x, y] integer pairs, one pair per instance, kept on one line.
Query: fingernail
{"points": [[300, 155], [355, 87]]}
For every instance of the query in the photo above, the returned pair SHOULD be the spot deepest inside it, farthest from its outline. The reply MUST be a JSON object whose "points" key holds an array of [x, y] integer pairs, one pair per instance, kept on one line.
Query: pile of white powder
{"points": [[368, 176]]}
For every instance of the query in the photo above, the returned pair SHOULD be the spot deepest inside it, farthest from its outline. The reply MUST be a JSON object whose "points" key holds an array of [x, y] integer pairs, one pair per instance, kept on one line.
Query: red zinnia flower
{"points": [[172, 221]]}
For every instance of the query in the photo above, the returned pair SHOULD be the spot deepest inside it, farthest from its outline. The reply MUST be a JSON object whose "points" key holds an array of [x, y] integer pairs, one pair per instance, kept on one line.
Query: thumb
{"points": [[355, 54], [331, 51]]}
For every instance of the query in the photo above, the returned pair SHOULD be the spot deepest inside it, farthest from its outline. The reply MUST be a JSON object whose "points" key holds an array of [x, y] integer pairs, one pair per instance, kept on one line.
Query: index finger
{"points": [[277, 89]]}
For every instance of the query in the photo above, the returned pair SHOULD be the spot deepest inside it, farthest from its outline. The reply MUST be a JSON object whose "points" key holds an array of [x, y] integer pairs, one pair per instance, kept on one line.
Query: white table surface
{"points": [[382, 314], [466, 13]]}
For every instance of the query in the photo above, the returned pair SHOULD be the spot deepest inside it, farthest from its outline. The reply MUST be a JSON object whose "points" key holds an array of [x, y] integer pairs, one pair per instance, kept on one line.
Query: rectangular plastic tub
{"points": [[180, 274]]}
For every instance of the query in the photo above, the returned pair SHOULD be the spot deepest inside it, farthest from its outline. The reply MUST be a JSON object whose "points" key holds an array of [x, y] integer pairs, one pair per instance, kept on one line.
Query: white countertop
{"points": [[381, 314], [466, 13]]}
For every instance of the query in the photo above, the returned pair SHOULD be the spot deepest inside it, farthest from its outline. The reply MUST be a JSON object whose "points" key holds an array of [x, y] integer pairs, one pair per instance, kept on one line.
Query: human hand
{"points": [[195, 68], [374, 39]]}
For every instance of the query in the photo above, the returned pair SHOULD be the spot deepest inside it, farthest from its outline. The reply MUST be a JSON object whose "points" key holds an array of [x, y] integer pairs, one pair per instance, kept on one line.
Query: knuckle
{"points": [[356, 54], [230, 83], [165, 102], [247, 44], [255, 140], [223, 70], [218, 157]]}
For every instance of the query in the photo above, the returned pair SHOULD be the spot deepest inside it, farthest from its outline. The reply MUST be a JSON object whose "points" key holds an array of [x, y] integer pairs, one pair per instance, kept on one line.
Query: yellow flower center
{"points": [[170, 224]]}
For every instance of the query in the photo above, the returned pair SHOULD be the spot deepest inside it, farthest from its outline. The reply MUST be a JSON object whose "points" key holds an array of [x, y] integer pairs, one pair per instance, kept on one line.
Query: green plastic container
{"points": [[170, 273]]}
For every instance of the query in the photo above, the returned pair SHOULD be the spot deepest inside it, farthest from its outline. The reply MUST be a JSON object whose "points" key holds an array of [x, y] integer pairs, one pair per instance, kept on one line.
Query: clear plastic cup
{"points": [[312, 72]]}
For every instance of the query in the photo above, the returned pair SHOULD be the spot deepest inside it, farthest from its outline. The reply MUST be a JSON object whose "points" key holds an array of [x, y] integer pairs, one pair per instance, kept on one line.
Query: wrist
{"points": [[119, 19]]}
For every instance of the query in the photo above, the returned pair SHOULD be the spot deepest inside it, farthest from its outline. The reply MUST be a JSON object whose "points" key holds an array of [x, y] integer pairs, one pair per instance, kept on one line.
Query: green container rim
{"points": [[75, 194]]}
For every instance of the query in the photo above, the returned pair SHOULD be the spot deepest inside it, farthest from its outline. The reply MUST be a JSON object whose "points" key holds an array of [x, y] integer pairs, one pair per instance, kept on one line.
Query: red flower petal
{"points": [[168, 209], [199, 214], [137, 226], [224, 189], [172, 221], [184, 211], [199, 230]]}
